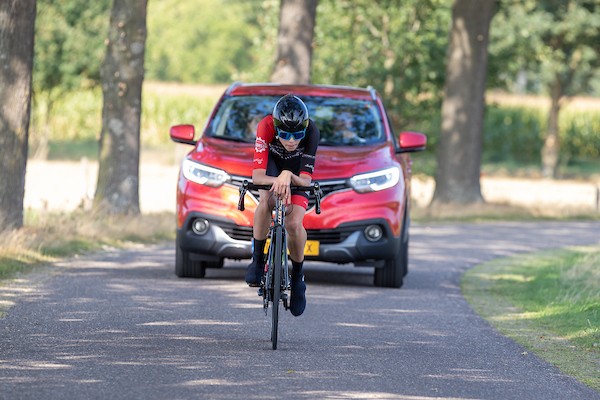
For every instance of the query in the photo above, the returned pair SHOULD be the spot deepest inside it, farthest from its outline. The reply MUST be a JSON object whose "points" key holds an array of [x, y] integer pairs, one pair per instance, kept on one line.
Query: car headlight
{"points": [[375, 181], [202, 174]]}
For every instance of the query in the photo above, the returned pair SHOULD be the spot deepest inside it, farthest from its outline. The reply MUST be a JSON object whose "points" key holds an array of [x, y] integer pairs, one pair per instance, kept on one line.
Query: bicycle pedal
{"points": [[260, 291]]}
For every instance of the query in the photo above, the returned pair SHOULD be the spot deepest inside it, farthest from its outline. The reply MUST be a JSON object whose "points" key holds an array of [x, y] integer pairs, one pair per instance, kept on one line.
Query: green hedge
{"points": [[580, 134], [512, 134], [516, 134]]}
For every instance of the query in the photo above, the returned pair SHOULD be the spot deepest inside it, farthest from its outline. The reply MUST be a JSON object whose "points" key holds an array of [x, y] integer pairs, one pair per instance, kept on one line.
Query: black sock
{"points": [[259, 251], [297, 267]]}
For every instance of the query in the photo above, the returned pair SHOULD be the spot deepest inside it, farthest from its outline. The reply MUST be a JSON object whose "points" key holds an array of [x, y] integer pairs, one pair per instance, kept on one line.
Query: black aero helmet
{"points": [[290, 114]]}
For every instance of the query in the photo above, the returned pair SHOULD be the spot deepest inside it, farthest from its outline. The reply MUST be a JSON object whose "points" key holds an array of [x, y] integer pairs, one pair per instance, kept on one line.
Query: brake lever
{"points": [[243, 190], [318, 193]]}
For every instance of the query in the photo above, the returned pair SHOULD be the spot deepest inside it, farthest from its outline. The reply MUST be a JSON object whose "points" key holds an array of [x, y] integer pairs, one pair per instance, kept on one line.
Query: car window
{"points": [[341, 121], [237, 117], [346, 122]]}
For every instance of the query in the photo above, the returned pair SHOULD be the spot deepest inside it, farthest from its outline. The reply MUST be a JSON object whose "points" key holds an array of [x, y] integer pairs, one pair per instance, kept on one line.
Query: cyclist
{"points": [[284, 155]]}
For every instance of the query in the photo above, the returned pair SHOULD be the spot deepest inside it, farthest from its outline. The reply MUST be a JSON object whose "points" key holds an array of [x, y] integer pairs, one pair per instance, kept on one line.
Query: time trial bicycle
{"points": [[275, 282]]}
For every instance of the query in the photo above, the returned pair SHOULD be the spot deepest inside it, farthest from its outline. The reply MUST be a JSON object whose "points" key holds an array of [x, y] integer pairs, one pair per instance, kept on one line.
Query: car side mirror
{"points": [[183, 134], [411, 142]]}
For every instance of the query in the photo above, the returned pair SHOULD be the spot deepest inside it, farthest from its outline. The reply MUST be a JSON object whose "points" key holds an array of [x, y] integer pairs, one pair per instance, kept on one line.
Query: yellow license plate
{"points": [[311, 248]]}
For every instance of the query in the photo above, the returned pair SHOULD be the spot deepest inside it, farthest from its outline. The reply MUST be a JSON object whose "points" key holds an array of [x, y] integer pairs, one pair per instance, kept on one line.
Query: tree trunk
{"points": [[294, 41], [459, 150], [551, 149], [122, 75], [17, 21]]}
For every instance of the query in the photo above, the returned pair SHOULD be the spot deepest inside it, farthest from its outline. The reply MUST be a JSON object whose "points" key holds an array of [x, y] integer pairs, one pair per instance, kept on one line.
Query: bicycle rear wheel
{"points": [[277, 266]]}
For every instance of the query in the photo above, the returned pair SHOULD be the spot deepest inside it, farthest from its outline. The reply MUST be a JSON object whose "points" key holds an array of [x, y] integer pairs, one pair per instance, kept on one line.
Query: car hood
{"points": [[233, 157], [344, 162], [333, 162]]}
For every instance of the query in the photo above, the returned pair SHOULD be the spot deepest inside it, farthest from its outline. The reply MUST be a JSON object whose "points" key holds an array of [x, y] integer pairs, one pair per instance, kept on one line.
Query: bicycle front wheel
{"points": [[277, 267]]}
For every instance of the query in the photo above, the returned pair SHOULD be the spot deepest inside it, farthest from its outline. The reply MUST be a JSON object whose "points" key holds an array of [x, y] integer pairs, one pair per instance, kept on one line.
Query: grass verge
{"points": [[548, 302], [48, 237]]}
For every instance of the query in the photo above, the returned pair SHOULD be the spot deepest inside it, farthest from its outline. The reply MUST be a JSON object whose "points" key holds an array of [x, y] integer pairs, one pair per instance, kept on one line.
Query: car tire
{"points": [[187, 268], [404, 246], [391, 274], [394, 270]]}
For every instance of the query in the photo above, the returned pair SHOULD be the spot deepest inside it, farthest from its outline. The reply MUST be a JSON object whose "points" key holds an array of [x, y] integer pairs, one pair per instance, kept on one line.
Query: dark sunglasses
{"points": [[285, 135]]}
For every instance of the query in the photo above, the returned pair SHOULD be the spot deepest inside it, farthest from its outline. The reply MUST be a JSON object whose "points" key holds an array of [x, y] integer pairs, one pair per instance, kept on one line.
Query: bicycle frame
{"points": [[276, 280], [269, 282]]}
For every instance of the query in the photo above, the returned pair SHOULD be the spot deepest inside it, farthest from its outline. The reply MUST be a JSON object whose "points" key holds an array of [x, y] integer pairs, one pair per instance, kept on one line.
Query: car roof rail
{"points": [[371, 90], [233, 86]]}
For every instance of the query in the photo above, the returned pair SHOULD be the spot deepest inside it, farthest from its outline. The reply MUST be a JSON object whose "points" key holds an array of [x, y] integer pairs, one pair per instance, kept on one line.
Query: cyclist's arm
{"points": [[281, 184], [260, 177]]}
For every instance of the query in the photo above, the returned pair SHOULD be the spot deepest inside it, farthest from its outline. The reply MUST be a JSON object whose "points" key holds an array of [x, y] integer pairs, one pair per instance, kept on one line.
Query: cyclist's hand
{"points": [[281, 186]]}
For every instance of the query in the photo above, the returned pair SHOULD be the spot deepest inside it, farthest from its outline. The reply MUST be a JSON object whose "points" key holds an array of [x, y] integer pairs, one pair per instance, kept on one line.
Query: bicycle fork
{"points": [[266, 289]]}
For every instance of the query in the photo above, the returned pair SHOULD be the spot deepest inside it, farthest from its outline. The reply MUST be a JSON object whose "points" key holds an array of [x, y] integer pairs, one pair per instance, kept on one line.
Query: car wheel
{"points": [[187, 268], [404, 246], [391, 274], [394, 270]]}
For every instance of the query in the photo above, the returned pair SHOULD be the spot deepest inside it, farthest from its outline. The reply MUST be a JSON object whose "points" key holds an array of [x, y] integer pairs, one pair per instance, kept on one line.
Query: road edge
{"points": [[558, 351]]}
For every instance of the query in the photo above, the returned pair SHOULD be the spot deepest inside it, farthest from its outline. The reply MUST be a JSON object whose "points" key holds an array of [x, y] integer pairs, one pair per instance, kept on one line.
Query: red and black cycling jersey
{"points": [[270, 155]]}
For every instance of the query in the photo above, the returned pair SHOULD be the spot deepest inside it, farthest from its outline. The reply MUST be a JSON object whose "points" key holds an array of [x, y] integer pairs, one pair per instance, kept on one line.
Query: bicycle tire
{"points": [[277, 266]]}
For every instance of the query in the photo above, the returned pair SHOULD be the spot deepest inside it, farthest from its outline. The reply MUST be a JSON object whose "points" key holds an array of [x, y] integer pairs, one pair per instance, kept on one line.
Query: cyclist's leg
{"points": [[262, 221], [296, 242], [262, 215], [295, 229]]}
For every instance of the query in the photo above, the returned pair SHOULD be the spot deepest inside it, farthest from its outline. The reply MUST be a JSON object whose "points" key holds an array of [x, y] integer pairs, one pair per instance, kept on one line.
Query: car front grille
{"points": [[327, 236], [237, 232], [330, 236]]}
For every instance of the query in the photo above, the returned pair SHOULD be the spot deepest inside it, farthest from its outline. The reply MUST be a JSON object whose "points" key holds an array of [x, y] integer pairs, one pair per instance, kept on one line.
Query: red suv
{"points": [[364, 171]]}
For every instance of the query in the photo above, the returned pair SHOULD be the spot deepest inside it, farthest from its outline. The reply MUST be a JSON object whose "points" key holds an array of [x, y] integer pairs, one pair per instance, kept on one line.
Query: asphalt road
{"points": [[120, 325]]}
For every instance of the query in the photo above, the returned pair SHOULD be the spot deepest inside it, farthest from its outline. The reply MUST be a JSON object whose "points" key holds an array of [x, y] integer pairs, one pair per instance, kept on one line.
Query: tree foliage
{"points": [[398, 47], [543, 39], [558, 42], [69, 44], [68, 52], [206, 41]]}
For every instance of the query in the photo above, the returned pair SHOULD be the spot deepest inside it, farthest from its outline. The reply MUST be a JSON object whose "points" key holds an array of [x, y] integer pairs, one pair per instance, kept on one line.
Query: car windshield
{"points": [[341, 121]]}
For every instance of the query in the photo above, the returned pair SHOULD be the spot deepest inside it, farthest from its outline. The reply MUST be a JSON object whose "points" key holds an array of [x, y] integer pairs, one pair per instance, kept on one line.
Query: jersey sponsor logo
{"points": [[260, 145]]}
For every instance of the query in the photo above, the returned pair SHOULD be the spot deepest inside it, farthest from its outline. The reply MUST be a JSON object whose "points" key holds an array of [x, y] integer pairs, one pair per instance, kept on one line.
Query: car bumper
{"points": [[353, 246], [356, 248]]}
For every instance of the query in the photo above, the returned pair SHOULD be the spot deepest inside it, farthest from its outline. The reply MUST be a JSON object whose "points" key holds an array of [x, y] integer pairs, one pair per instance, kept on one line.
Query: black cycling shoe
{"points": [[298, 298], [254, 274]]}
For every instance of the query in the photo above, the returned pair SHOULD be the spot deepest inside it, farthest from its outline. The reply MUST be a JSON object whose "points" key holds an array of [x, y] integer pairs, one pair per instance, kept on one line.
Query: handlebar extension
{"points": [[315, 189]]}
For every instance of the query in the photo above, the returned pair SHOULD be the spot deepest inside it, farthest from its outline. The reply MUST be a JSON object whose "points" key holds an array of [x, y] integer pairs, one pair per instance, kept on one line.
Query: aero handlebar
{"points": [[315, 189]]}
